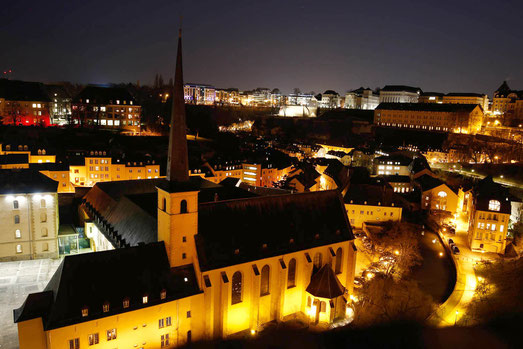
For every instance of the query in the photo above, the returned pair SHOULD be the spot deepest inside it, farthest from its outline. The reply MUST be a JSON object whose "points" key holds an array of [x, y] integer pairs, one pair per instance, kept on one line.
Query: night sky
{"points": [[443, 46]]}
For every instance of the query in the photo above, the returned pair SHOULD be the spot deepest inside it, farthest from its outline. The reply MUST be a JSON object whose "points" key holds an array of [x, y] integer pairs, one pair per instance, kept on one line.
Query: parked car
{"points": [[455, 249]]}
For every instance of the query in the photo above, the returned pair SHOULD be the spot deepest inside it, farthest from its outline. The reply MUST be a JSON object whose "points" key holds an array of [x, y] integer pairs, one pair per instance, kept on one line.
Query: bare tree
{"points": [[384, 300]]}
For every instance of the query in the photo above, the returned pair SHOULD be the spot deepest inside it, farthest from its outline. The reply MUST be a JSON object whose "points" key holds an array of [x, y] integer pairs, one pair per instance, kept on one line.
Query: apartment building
{"points": [[489, 217], [23, 103], [29, 215], [107, 107], [455, 118]]}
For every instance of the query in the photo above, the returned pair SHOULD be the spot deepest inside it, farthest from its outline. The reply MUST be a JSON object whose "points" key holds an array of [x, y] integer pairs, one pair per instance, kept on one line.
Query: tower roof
{"points": [[177, 157], [325, 284]]}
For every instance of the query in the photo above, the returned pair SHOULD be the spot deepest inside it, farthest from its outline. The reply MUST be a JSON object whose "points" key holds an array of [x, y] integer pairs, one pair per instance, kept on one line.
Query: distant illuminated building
{"points": [[508, 103], [29, 215], [362, 98], [399, 94], [229, 96], [199, 94], [59, 105], [452, 118], [468, 98], [329, 99], [23, 103], [107, 108]]}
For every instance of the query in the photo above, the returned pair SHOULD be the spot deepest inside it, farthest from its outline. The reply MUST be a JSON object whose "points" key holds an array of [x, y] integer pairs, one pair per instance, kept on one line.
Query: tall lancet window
{"points": [[236, 291]]}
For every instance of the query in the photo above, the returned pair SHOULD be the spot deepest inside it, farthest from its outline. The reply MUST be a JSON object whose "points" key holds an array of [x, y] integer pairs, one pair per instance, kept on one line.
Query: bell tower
{"points": [[177, 196]]}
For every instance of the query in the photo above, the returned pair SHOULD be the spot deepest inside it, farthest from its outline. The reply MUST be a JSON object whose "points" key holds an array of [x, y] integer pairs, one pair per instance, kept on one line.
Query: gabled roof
{"points": [[268, 226], [11, 159], [371, 194], [418, 164], [427, 182], [433, 107], [126, 211], [465, 94], [487, 190], [14, 90], [25, 182], [325, 284], [105, 95], [92, 279]]}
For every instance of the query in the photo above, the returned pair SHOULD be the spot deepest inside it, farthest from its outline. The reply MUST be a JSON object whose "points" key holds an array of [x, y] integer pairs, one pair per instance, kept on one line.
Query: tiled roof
{"points": [[92, 279], [268, 226], [105, 95], [325, 284], [432, 107], [25, 182], [14, 90]]}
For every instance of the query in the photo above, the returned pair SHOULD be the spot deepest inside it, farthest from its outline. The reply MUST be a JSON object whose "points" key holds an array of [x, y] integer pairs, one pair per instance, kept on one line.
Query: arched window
{"points": [[183, 206], [318, 261], [236, 291], [442, 194], [339, 258], [164, 204], [494, 205], [291, 276], [43, 204], [44, 231], [43, 217], [16, 205], [17, 219], [265, 276]]}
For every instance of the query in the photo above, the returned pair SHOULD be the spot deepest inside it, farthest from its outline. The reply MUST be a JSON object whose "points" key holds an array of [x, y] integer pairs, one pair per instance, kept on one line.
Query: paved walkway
{"points": [[449, 313], [17, 280]]}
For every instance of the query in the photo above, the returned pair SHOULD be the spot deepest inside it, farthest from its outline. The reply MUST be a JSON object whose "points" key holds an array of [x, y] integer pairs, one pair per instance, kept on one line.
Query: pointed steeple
{"points": [[177, 158]]}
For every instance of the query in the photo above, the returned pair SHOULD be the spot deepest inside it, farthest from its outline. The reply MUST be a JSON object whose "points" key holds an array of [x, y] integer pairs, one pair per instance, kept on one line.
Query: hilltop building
{"points": [[211, 269], [399, 94], [361, 98], [23, 103], [108, 108], [455, 118]]}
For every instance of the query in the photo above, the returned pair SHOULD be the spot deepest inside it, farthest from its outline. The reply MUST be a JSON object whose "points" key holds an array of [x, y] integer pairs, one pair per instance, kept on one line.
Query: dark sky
{"points": [[444, 46]]}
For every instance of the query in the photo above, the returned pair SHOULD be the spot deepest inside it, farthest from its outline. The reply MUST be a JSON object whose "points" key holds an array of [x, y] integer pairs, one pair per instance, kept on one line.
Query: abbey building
{"points": [[187, 260]]}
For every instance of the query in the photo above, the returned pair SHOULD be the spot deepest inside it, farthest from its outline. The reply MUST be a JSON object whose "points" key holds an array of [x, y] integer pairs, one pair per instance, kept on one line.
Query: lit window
{"points": [[111, 334], [74, 343], [85, 311], [494, 205], [126, 303], [18, 234], [106, 307], [18, 248], [145, 299], [93, 339], [236, 289]]}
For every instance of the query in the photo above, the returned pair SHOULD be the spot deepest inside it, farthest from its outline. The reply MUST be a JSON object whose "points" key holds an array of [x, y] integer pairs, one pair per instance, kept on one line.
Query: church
{"points": [[188, 260]]}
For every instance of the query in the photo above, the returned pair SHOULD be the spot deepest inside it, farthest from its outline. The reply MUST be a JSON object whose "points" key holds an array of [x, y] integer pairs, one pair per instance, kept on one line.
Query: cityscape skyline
{"points": [[286, 52]]}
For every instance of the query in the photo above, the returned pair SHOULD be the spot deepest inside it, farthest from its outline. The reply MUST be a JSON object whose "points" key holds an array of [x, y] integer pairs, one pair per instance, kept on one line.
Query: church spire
{"points": [[177, 158]]}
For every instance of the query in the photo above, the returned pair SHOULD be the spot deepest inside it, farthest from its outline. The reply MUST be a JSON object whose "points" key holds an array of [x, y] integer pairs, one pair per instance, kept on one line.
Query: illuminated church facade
{"points": [[222, 262]]}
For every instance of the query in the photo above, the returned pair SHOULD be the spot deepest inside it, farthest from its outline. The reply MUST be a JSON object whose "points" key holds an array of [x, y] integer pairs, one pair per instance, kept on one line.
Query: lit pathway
{"points": [[17, 280], [454, 308]]}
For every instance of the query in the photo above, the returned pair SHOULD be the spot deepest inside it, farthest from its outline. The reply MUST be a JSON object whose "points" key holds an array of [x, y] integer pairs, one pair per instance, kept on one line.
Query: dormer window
{"points": [[106, 307], [126, 302], [85, 311], [163, 294], [494, 205]]}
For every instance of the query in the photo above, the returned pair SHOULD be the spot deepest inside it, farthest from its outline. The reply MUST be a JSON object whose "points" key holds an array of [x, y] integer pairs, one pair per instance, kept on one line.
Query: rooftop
{"points": [[433, 107], [25, 182], [239, 231]]}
